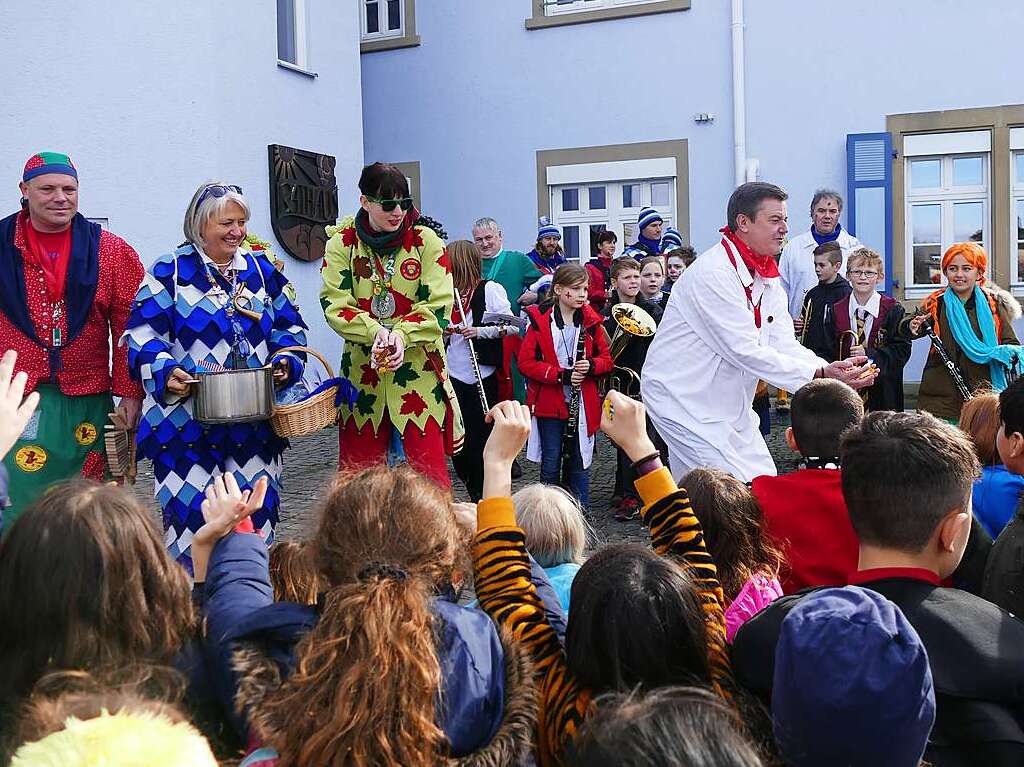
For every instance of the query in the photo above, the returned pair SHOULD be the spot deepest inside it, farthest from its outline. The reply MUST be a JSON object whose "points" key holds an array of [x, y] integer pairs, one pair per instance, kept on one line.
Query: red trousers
{"points": [[424, 450]]}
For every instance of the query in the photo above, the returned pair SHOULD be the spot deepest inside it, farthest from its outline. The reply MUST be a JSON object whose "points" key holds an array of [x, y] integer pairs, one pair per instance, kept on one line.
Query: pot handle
{"points": [[308, 350]]}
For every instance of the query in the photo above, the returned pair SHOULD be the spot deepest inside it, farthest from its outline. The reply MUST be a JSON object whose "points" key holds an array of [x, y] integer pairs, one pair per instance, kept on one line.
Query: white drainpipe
{"points": [[739, 114]]}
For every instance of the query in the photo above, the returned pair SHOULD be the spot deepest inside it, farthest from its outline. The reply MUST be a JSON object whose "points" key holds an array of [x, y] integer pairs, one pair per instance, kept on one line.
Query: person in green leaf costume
{"points": [[388, 291]]}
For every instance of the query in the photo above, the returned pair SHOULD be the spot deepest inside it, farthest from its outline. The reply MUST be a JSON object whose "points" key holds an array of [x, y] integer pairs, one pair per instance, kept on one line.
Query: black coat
{"points": [[976, 653], [1004, 574], [817, 334], [635, 353]]}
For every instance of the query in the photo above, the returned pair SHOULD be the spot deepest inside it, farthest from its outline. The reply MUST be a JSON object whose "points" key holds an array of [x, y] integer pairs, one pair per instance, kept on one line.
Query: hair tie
{"points": [[381, 570]]}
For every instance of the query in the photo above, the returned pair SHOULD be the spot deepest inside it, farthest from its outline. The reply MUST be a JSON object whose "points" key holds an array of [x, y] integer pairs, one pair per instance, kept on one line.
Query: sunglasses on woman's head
{"points": [[389, 205], [218, 190]]}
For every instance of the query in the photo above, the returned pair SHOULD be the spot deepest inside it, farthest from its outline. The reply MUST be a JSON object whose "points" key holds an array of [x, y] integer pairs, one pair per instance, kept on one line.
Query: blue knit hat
{"points": [[548, 230], [852, 684], [647, 217], [671, 239], [48, 162]]}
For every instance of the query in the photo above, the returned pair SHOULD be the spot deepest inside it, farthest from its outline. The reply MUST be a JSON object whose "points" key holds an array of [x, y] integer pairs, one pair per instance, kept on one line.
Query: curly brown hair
{"points": [[293, 572], [365, 687], [89, 586]]}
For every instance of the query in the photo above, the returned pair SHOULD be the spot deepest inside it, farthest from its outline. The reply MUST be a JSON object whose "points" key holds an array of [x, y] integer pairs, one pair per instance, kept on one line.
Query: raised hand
{"points": [[511, 430], [624, 420], [15, 412], [225, 506]]}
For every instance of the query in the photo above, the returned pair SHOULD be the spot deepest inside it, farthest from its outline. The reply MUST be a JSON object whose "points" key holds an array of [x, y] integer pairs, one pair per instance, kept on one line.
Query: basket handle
{"points": [[308, 350]]}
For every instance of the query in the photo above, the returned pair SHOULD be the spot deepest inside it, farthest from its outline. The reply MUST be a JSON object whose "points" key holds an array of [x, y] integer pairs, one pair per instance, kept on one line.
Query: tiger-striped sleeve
{"points": [[676, 534], [501, 569]]}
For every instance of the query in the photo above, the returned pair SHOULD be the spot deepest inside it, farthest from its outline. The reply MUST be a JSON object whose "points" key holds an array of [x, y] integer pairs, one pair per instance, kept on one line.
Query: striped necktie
{"points": [[861, 315]]}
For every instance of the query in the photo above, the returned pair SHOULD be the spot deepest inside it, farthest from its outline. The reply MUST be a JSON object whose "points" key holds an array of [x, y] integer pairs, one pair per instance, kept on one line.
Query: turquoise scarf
{"points": [[988, 349]]}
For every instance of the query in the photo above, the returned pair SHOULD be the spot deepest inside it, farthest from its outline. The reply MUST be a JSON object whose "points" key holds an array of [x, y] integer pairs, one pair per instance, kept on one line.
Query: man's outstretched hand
{"points": [[856, 372]]}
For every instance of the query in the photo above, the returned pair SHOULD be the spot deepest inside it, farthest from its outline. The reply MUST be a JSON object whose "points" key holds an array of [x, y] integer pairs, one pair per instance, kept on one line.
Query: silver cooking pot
{"points": [[234, 396]]}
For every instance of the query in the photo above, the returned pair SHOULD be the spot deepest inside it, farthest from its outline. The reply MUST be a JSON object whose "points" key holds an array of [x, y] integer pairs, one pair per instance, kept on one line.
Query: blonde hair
{"points": [[552, 520], [868, 257]]}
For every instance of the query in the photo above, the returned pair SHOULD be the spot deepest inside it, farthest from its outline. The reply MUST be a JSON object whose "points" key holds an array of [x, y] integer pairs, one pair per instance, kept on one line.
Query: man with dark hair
{"points": [[599, 270], [796, 264], [1004, 573], [730, 316], [803, 511], [907, 480]]}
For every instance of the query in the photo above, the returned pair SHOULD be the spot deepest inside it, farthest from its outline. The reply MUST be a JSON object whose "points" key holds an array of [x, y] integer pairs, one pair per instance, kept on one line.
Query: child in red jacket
{"points": [[563, 354]]}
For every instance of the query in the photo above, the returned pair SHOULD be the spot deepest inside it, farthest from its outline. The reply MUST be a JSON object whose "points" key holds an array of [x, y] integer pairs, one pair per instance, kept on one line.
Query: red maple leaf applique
{"points": [[402, 303], [348, 314], [323, 265], [348, 237], [412, 404], [442, 260], [369, 377], [363, 303], [416, 318], [412, 239]]}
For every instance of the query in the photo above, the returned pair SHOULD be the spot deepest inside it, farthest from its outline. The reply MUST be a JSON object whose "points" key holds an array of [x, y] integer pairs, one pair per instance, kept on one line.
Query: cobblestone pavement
{"points": [[311, 461]]}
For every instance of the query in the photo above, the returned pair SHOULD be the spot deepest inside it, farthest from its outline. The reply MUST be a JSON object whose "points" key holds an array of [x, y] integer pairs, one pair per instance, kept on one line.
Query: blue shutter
{"points": [[869, 194]]}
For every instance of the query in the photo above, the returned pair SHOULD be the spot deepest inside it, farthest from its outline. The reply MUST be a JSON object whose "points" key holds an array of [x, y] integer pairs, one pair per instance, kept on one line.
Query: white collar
{"points": [[872, 307], [237, 260]]}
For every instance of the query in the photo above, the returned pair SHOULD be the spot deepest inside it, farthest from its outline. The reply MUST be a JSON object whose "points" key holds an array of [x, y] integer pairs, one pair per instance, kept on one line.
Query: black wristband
{"points": [[636, 464]]}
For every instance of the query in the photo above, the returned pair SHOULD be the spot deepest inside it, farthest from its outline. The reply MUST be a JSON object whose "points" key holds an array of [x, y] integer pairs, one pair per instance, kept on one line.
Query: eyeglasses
{"points": [[863, 273], [217, 190], [389, 205]]}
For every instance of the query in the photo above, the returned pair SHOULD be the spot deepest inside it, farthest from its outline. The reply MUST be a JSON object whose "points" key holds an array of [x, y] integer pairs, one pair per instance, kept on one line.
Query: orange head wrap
{"points": [[974, 255]]}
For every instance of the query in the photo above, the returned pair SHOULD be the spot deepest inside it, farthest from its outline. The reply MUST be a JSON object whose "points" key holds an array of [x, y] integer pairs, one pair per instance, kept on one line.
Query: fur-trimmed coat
{"points": [[938, 395]]}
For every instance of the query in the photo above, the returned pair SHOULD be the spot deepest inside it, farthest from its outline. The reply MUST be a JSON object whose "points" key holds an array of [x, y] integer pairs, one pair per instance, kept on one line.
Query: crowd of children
{"points": [[860, 610]]}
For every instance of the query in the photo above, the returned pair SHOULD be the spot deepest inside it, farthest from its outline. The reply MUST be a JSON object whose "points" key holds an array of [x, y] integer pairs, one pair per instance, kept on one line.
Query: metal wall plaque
{"points": [[303, 199]]}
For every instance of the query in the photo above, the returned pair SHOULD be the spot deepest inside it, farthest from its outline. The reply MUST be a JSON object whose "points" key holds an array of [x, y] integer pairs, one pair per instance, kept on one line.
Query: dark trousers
{"points": [[575, 479], [469, 463], [625, 475]]}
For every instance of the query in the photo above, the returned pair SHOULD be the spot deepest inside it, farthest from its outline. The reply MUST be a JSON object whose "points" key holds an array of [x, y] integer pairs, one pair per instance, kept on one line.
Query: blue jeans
{"points": [[576, 479]]}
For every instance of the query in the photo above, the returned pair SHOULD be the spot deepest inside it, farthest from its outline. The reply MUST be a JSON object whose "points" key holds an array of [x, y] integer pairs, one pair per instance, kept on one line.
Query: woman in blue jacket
{"points": [[386, 668]]}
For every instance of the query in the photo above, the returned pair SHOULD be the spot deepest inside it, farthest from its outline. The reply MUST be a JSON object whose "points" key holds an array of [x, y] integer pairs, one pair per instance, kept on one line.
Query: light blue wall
{"points": [[481, 94], [151, 99]]}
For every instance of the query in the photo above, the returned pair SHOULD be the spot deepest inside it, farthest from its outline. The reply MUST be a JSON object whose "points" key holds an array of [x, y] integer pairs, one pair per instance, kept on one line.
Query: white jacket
{"points": [[706, 358], [796, 265]]}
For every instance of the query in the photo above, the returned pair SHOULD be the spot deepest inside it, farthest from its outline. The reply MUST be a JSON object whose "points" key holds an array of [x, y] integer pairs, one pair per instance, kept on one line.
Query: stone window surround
{"points": [[540, 20], [674, 148], [408, 40], [998, 120]]}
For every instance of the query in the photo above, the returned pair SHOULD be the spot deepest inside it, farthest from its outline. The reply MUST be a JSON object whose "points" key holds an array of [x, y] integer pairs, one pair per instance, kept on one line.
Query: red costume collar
{"points": [[880, 573], [766, 266]]}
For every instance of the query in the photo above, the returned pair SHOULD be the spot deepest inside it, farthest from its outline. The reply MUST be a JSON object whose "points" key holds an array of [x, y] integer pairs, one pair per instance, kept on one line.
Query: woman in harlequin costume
{"points": [[387, 290], [186, 321]]}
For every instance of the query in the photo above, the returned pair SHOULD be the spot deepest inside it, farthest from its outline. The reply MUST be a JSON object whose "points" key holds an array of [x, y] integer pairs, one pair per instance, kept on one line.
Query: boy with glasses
{"points": [[868, 323]]}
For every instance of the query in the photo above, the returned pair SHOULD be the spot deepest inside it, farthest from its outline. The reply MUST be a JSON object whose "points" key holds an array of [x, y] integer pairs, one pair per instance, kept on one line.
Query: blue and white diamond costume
{"points": [[183, 317]]}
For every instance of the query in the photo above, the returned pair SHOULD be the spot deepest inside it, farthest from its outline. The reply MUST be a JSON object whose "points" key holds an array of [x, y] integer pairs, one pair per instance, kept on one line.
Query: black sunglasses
{"points": [[217, 190], [389, 205]]}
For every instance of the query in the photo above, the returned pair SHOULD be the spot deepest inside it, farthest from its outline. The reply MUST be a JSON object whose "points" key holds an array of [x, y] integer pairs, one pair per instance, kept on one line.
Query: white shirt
{"points": [[460, 366], [705, 361], [796, 266], [871, 309]]}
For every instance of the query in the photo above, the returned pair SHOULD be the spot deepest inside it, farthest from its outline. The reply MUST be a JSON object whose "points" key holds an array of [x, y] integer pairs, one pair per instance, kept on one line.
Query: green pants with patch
{"points": [[64, 439]]}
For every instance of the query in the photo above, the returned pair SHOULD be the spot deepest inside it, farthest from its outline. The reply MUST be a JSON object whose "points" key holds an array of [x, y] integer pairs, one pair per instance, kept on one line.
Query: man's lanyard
{"points": [[746, 288]]}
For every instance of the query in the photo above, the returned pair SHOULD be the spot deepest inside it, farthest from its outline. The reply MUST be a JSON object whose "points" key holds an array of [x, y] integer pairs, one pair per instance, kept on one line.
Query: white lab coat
{"points": [[706, 358], [796, 266]]}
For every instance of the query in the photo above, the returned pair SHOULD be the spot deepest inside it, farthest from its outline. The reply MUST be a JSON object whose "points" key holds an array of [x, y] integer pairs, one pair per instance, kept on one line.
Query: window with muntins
{"points": [[582, 211], [947, 200], [1017, 206], [291, 33], [382, 19], [557, 7]]}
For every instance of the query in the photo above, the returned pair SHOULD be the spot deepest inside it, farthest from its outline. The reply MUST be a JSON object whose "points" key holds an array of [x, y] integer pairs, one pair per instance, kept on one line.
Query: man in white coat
{"points": [[727, 325], [796, 265]]}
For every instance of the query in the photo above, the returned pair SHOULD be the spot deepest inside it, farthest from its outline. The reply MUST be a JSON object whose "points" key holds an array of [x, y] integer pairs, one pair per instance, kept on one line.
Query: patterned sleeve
{"points": [[128, 274], [432, 311], [336, 297], [288, 328], [149, 329], [676, 534], [501, 569]]}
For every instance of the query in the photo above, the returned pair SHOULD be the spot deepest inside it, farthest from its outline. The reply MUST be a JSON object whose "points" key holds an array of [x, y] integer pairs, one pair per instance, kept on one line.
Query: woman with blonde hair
{"points": [[387, 668], [475, 297]]}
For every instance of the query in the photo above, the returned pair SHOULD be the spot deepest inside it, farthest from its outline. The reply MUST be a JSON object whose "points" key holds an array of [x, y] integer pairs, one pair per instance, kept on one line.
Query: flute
{"points": [[472, 356]]}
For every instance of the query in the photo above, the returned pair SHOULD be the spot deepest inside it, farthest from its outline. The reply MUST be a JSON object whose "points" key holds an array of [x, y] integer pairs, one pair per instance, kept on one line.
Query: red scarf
{"points": [[51, 252], [766, 266]]}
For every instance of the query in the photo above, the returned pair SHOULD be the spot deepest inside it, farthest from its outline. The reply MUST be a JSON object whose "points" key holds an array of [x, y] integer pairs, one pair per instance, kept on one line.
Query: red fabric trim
{"points": [[746, 288], [880, 573]]}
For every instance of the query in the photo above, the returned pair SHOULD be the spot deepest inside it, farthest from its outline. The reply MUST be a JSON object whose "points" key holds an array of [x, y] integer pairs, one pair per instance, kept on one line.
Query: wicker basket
{"points": [[311, 415]]}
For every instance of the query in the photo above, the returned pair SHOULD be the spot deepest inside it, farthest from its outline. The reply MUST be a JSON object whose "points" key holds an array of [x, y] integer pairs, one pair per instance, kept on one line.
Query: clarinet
{"points": [[570, 439], [954, 371]]}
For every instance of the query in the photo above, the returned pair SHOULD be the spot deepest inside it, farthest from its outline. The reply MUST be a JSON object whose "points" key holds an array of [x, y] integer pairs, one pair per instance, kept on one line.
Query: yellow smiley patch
{"points": [[30, 458], [85, 433]]}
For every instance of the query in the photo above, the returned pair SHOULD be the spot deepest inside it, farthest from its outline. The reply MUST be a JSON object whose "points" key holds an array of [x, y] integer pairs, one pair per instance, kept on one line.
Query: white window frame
{"points": [[382, 33], [612, 176], [561, 7], [946, 195], [300, 39], [1016, 198]]}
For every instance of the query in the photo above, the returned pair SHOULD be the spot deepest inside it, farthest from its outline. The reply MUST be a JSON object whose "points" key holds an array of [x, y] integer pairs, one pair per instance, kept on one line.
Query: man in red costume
{"points": [[67, 289]]}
